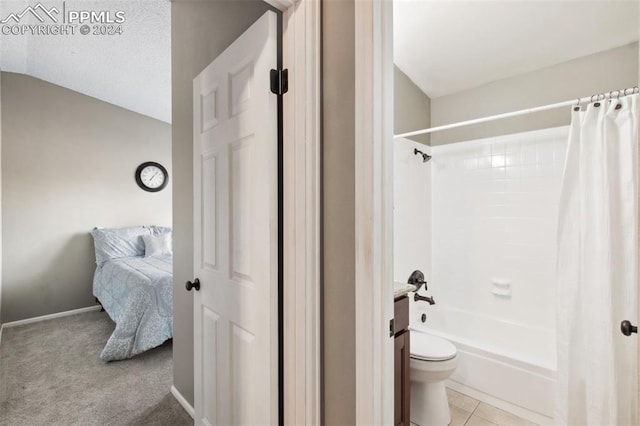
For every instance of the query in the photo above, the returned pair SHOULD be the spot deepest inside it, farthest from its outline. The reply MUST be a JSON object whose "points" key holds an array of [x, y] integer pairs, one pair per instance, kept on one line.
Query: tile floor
{"points": [[466, 411]]}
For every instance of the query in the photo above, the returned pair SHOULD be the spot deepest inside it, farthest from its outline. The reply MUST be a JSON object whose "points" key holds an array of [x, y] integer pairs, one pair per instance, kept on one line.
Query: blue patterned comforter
{"points": [[137, 293]]}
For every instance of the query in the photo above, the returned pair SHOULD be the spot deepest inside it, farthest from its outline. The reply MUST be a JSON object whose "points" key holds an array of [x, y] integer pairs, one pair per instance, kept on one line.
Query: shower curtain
{"points": [[598, 267]]}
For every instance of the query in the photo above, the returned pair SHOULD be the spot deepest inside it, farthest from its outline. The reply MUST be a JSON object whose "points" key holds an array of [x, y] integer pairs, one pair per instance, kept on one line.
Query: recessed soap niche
{"points": [[501, 287]]}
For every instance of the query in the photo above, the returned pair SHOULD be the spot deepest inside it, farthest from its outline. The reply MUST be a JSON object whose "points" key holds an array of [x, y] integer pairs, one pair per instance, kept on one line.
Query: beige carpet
{"points": [[51, 373]]}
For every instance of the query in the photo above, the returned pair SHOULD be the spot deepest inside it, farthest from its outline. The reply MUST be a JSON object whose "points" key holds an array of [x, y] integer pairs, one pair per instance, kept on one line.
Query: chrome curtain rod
{"points": [[593, 98]]}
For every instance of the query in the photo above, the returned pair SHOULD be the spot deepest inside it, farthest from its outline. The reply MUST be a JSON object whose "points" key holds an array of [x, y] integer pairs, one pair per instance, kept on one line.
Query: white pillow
{"points": [[157, 245], [114, 243]]}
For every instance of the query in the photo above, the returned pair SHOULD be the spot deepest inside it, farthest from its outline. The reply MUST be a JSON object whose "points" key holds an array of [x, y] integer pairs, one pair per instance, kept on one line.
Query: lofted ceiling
{"points": [[447, 46], [131, 70]]}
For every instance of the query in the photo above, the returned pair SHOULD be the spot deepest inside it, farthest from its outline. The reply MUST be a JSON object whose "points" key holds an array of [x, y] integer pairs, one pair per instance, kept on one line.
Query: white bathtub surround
{"points": [[482, 226], [411, 210], [495, 213], [598, 267]]}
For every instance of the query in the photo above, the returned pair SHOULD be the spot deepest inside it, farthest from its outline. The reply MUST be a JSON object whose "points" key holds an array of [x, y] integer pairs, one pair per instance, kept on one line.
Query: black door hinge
{"points": [[280, 81], [392, 328]]}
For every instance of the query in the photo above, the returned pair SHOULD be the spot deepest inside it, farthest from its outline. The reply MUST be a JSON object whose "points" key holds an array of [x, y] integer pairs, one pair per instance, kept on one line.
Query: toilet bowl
{"points": [[433, 360]]}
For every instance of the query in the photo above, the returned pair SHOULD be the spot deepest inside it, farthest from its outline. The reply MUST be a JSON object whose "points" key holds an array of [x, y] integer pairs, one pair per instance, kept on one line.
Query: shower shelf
{"points": [[501, 288]]}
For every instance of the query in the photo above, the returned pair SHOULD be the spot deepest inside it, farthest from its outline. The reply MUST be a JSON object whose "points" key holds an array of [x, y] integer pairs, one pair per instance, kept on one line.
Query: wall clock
{"points": [[151, 176]]}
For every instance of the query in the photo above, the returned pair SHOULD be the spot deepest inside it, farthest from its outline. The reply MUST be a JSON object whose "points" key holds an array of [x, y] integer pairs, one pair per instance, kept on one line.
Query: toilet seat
{"points": [[426, 347]]}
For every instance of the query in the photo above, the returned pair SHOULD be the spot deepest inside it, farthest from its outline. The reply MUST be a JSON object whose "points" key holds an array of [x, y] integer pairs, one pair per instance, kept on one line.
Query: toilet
{"points": [[433, 360]]}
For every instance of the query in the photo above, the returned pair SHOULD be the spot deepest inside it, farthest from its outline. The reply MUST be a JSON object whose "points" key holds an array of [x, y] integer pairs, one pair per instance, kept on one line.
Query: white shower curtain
{"points": [[598, 267]]}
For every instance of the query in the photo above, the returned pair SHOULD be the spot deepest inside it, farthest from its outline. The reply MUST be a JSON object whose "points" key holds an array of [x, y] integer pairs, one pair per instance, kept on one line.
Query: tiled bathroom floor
{"points": [[466, 411]]}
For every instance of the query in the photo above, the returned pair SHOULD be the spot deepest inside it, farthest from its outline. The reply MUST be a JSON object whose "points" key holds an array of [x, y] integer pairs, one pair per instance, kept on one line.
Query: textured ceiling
{"points": [[132, 70], [447, 46]]}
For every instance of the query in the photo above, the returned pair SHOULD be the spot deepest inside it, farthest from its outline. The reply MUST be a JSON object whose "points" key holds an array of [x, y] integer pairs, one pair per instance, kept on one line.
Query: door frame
{"points": [[302, 206], [374, 211], [301, 40]]}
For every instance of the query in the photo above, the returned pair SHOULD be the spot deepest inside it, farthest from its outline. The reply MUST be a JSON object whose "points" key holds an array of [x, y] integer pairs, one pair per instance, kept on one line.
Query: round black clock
{"points": [[151, 176]]}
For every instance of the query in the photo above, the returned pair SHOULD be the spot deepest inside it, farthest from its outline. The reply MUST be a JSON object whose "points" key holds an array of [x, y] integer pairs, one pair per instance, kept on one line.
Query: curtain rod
{"points": [[593, 98]]}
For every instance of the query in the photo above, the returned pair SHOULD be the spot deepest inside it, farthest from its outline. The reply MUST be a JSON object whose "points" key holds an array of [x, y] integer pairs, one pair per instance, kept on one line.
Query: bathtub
{"points": [[509, 365]]}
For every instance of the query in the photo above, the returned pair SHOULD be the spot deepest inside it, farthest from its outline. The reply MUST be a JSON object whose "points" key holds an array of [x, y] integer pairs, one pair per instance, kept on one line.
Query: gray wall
{"points": [[338, 182], [412, 108], [601, 72], [200, 31], [68, 163], [0, 198]]}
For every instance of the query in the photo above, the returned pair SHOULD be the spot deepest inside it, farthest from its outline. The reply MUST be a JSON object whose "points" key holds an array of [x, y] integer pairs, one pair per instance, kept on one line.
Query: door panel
{"points": [[236, 233]]}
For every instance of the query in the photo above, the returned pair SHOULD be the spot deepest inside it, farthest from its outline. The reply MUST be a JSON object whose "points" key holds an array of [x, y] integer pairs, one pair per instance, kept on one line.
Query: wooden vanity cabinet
{"points": [[402, 385]]}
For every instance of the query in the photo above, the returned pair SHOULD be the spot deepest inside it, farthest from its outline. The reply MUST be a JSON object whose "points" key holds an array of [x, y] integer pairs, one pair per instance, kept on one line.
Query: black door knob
{"points": [[627, 328], [195, 284]]}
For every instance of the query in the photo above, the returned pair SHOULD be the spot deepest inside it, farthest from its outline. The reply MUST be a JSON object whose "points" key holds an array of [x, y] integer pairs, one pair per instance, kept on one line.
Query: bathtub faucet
{"points": [[428, 299]]}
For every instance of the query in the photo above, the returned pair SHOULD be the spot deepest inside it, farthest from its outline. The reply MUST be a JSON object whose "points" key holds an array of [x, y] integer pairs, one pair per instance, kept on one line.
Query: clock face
{"points": [[151, 176]]}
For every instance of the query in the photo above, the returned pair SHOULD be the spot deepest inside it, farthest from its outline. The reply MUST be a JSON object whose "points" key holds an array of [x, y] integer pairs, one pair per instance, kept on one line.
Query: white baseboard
{"points": [[178, 396], [516, 410], [50, 316]]}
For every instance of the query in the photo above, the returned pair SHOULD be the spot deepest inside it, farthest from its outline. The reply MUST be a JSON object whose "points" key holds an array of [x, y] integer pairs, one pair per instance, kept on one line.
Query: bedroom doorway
{"points": [[237, 232], [92, 108]]}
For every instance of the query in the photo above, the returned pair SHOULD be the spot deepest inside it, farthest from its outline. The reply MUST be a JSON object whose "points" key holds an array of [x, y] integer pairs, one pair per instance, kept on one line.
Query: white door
{"points": [[235, 163]]}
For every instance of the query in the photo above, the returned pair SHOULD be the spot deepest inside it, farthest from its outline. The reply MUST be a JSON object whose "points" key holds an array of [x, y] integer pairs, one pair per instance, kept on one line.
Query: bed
{"points": [[133, 282]]}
